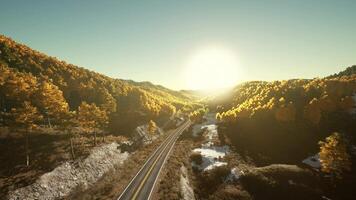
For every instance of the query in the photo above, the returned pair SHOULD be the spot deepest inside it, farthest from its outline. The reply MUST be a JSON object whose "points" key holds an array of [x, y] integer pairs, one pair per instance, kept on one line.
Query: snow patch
{"points": [[209, 122], [235, 174], [313, 161], [211, 155], [69, 175]]}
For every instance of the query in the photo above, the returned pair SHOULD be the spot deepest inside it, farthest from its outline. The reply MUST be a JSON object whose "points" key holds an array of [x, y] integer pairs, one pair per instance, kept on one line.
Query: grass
{"points": [[48, 149], [168, 186], [114, 182]]}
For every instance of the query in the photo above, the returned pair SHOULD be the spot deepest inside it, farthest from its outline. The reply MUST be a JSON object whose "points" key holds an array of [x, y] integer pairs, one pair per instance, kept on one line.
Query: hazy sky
{"points": [[154, 40]]}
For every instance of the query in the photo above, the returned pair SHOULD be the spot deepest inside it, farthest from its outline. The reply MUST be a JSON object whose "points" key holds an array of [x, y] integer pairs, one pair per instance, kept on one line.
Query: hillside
{"points": [[52, 111], [136, 101], [347, 72], [285, 122]]}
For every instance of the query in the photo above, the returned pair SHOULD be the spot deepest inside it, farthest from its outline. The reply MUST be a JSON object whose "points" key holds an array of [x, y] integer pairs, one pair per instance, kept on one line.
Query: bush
{"points": [[197, 158], [281, 182], [230, 192], [210, 180]]}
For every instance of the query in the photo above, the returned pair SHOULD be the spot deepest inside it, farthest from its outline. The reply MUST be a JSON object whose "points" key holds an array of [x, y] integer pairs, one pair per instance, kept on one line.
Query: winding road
{"points": [[142, 185]]}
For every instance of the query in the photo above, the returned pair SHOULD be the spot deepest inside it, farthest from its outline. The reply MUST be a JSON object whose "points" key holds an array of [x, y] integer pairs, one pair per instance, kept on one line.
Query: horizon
{"points": [[277, 41]]}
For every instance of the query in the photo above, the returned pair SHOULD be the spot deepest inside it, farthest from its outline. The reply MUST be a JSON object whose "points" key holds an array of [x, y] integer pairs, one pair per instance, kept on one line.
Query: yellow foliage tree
{"points": [[52, 102], [152, 127], [91, 118], [333, 155], [286, 113], [26, 118], [312, 112]]}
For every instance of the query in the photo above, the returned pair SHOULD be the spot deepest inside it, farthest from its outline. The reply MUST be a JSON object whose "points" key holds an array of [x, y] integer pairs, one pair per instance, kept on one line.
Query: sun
{"points": [[212, 68]]}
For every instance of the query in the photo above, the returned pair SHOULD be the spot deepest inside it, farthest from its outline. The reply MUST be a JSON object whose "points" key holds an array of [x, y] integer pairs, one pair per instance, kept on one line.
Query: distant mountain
{"points": [[347, 72]]}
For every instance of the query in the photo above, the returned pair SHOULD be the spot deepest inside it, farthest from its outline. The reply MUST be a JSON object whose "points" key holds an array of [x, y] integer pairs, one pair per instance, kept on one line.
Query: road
{"points": [[142, 185]]}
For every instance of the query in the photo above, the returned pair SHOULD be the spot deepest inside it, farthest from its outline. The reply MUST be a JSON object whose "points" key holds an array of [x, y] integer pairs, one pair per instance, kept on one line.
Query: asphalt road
{"points": [[142, 185]]}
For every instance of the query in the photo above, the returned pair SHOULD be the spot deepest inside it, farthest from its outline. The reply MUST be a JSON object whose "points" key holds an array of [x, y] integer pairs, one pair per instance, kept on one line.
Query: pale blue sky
{"points": [[153, 40]]}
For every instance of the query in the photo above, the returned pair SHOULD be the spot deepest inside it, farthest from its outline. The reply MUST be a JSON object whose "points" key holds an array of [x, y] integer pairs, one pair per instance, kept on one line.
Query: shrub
{"points": [[197, 158], [230, 192], [211, 179], [281, 182]]}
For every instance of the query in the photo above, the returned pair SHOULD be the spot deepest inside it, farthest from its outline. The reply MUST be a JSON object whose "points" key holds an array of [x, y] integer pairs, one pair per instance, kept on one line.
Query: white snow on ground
{"points": [[212, 130], [211, 154], [210, 120], [185, 188], [69, 175], [313, 161], [235, 174]]}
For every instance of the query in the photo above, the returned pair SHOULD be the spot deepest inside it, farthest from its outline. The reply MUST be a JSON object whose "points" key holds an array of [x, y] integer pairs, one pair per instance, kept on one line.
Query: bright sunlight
{"points": [[212, 68]]}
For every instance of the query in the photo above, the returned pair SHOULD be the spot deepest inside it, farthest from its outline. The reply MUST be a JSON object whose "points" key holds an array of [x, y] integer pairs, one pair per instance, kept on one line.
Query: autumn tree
{"points": [[333, 155], [26, 118], [51, 101], [286, 113], [346, 103], [152, 127], [15, 88], [67, 124], [107, 101], [312, 112], [197, 115], [91, 118]]}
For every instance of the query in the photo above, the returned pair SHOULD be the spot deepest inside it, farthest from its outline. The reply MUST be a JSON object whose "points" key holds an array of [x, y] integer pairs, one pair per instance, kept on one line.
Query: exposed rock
{"points": [[69, 175], [185, 188]]}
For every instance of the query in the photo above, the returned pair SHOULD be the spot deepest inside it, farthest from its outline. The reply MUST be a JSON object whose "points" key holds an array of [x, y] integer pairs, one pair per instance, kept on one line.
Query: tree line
{"points": [[284, 120], [37, 90]]}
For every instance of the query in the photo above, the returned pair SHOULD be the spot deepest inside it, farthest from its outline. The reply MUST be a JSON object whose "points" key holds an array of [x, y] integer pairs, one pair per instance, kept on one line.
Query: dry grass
{"points": [[168, 186], [48, 149], [114, 182]]}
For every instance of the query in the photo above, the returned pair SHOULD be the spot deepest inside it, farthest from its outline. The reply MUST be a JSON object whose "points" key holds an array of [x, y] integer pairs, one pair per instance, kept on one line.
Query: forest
{"points": [[288, 121], [51, 92], [47, 106]]}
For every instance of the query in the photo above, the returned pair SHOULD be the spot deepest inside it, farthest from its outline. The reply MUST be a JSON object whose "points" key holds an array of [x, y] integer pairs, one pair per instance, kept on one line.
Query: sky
{"points": [[156, 40]]}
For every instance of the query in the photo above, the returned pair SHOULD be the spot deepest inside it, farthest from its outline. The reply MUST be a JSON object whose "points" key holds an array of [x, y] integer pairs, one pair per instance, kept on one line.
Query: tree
{"points": [[67, 124], [91, 118], [312, 112], [51, 101], [346, 103], [286, 113], [333, 155], [26, 118], [152, 127]]}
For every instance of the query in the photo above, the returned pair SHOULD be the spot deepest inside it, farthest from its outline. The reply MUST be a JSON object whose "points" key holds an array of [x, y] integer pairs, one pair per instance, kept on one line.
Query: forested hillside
{"points": [[347, 72], [305, 122], [52, 111], [288, 114], [54, 88]]}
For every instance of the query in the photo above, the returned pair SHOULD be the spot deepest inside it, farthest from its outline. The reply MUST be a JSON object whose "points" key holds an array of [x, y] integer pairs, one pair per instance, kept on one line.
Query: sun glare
{"points": [[212, 68]]}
